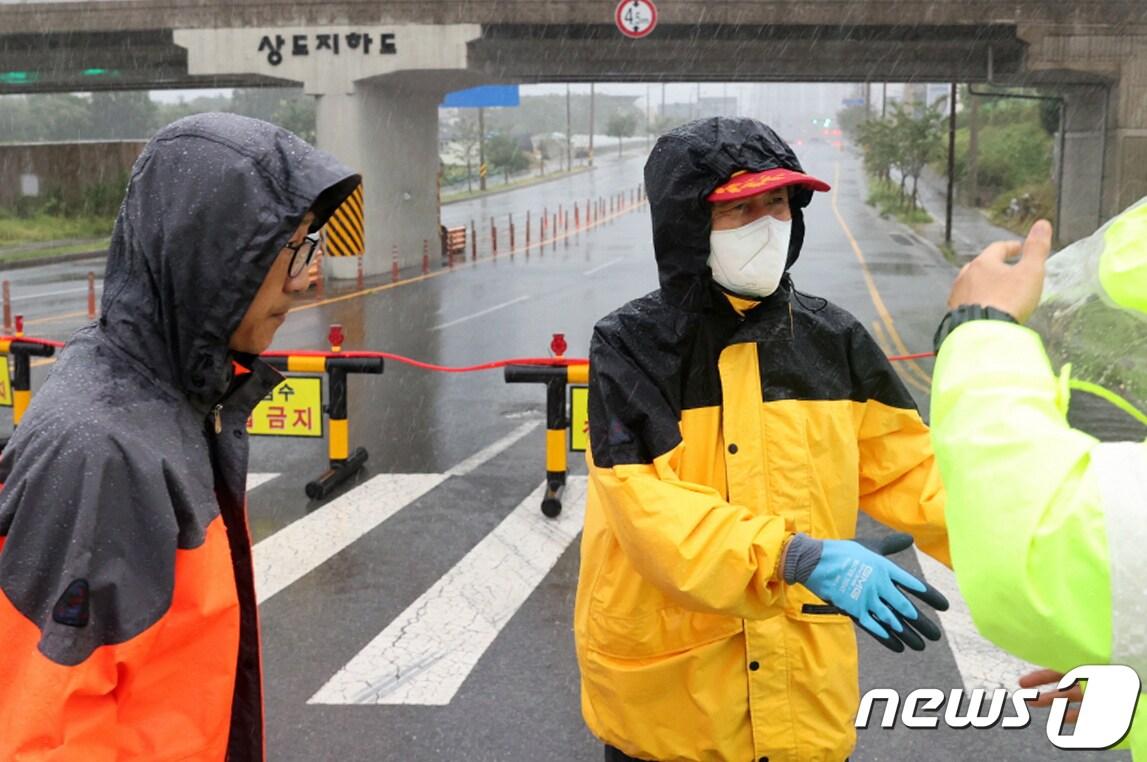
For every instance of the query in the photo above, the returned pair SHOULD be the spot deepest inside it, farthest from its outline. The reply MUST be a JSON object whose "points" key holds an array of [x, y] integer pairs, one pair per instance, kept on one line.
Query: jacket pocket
{"points": [[631, 618], [801, 604], [663, 632]]}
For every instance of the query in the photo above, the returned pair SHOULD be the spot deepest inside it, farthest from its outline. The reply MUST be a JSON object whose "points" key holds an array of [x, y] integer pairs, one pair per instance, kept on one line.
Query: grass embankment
{"points": [[1105, 346], [16, 231], [885, 196], [512, 185]]}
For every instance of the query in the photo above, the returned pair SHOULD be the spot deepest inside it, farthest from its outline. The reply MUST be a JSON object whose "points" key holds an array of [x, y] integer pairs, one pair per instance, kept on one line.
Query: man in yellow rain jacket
{"points": [[735, 427], [1059, 515]]}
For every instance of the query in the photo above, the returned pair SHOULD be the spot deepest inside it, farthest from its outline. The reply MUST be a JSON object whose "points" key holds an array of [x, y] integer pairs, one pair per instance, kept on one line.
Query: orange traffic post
{"points": [[473, 241], [554, 237], [394, 264], [19, 326], [527, 231], [493, 237], [577, 216], [425, 257], [7, 308], [91, 295], [511, 235]]}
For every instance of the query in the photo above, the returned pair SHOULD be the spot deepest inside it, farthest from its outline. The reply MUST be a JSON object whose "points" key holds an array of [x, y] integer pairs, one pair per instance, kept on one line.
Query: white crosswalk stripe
{"points": [[425, 655], [256, 480], [289, 554]]}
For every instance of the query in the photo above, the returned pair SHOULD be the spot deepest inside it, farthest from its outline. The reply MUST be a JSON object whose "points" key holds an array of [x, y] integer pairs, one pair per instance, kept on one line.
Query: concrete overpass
{"points": [[378, 106]]}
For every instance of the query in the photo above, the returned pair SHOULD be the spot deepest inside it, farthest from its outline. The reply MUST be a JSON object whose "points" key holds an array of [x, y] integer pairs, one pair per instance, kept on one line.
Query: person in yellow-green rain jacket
{"points": [[1048, 525], [736, 426]]}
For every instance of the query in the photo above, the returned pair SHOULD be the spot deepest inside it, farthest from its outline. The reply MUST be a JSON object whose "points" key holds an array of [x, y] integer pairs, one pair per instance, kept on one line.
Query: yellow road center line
{"points": [[874, 292], [882, 340]]}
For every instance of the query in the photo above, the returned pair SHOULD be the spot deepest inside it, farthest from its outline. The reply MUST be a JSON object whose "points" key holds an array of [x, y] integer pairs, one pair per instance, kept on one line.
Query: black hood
{"points": [[686, 165], [212, 200]]}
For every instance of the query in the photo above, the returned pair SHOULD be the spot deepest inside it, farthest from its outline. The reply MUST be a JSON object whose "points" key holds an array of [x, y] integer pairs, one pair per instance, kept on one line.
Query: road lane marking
{"points": [[601, 267], [256, 480], [874, 292], [882, 341], [54, 293], [425, 655], [491, 452], [473, 262], [304, 544], [495, 308], [605, 219], [981, 664]]}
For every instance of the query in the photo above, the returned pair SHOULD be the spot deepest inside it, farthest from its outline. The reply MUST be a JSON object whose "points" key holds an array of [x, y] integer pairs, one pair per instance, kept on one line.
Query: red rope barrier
{"points": [[43, 342], [545, 361]]}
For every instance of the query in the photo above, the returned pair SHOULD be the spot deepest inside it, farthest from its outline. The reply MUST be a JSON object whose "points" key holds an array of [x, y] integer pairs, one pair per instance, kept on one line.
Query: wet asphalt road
{"points": [[409, 539]]}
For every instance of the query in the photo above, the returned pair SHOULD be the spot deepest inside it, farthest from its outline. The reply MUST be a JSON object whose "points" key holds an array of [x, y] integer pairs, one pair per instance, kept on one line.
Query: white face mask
{"points": [[751, 259]]}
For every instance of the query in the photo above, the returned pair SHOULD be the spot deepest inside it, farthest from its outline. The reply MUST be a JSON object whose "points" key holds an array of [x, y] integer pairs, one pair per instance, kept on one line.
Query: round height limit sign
{"points": [[635, 18]]}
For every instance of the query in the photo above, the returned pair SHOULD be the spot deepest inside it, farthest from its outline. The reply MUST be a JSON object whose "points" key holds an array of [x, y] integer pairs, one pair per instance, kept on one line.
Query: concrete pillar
{"points": [[389, 133], [1083, 162], [377, 111], [1126, 167]]}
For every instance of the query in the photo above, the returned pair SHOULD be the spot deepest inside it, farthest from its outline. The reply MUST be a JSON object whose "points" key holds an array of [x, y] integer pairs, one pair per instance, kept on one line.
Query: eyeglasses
{"points": [[301, 254]]}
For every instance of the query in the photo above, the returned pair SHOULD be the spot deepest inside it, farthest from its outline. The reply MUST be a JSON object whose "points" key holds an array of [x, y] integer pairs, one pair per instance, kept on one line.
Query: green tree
{"points": [[877, 139], [297, 115], [918, 135], [505, 152], [128, 115], [31, 118], [621, 124]]}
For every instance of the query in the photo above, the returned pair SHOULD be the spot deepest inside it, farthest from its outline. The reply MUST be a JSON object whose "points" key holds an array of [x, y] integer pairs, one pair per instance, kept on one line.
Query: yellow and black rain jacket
{"points": [[716, 434]]}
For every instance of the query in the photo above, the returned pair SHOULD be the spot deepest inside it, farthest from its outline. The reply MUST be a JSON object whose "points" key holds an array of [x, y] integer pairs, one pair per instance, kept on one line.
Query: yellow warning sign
{"points": [[344, 233], [294, 408], [5, 383], [579, 418]]}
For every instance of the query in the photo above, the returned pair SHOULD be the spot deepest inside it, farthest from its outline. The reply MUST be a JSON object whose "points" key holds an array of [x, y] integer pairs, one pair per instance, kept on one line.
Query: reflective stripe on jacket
{"points": [[1048, 525]]}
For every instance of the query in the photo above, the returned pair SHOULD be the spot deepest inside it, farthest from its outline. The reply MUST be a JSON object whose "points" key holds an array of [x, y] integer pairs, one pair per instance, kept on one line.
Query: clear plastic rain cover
{"points": [[1105, 344]]}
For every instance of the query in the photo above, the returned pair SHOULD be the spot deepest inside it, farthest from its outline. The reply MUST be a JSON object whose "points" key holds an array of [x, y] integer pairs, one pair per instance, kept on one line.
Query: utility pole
{"points": [[951, 162], [974, 152], [569, 136], [648, 128], [591, 123], [481, 149], [884, 101]]}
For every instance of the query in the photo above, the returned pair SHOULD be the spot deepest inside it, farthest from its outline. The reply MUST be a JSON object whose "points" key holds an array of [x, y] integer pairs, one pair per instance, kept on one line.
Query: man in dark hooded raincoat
{"points": [[127, 605], [733, 435]]}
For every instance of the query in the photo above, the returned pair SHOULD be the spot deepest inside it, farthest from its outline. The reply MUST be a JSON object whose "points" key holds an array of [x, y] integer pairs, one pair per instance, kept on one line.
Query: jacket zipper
{"points": [[217, 416]]}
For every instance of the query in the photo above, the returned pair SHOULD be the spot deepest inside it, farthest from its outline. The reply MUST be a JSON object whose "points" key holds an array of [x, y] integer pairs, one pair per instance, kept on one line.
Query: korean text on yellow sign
{"points": [[294, 408], [5, 383], [579, 418]]}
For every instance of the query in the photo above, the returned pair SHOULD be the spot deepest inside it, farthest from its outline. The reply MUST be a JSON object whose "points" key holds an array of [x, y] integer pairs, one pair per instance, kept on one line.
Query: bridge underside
{"points": [[590, 53], [1105, 149]]}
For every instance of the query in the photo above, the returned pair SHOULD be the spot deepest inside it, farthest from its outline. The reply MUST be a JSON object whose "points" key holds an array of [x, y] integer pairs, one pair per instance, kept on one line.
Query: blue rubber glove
{"points": [[867, 587]]}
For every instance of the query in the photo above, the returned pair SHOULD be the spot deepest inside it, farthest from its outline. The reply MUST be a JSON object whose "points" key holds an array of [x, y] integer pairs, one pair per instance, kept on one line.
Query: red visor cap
{"points": [[744, 184]]}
